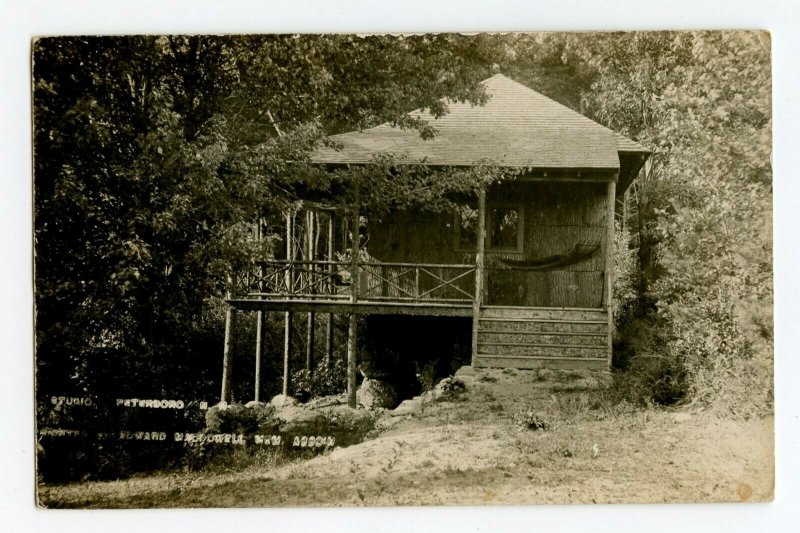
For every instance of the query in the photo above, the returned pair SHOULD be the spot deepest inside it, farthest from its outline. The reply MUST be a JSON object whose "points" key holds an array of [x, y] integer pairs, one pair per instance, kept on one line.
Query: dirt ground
{"points": [[472, 451]]}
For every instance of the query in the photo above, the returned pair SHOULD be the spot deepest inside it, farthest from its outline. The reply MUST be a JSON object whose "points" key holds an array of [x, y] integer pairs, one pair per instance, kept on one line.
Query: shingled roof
{"points": [[517, 127]]}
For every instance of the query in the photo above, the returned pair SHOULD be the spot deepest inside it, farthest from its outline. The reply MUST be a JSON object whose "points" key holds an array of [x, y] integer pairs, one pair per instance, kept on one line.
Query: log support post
{"points": [[287, 317], [310, 337], [259, 351], [479, 272], [331, 270], [226, 394], [352, 330], [609, 260], [259, 322]]}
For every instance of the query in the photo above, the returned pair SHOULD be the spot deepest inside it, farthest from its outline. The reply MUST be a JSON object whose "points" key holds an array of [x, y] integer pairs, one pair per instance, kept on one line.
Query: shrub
{"points": [[450, 388], [326, 380], [645, 372], [721, 367]]}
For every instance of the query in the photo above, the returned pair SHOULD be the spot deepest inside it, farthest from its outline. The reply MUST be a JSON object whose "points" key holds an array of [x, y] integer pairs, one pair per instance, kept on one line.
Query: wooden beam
{"points": [[462, 309], [352, 330], [479, 272], [568, 363], [609, 267]]}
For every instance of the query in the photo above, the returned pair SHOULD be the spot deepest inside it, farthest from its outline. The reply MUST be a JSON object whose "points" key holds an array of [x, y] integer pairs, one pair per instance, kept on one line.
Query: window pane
{"points": [[505, 227], [468, 227]]}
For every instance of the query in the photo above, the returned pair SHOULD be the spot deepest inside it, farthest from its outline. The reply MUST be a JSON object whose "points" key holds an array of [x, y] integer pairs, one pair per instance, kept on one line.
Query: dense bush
{"points": [[327, 379]]}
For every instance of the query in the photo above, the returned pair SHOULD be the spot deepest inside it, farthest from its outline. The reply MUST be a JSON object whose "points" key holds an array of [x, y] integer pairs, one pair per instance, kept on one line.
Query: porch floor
{"points": [[367, 307]]}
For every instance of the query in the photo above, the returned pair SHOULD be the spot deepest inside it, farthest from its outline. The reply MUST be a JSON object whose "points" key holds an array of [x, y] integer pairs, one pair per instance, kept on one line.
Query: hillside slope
{"points": [[473, 451]]}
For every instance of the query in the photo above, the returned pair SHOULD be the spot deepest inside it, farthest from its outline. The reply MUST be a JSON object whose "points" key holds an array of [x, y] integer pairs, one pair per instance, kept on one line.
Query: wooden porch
{"points": [[518, 336]]}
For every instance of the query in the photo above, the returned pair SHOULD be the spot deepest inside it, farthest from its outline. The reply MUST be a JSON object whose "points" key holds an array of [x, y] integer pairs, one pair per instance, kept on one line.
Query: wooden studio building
{"points": [[526, 264]]}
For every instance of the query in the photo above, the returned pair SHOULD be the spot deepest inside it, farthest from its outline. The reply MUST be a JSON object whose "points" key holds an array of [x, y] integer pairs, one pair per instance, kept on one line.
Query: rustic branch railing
{"points": [[404, 282]]}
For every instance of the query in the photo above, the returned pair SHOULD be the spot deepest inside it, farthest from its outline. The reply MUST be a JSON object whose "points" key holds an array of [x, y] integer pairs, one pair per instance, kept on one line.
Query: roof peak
{"points": [[517, 126]]}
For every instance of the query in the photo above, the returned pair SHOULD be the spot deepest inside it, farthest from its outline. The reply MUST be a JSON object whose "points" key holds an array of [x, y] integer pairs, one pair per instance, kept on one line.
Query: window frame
{"points": [[520, 246]]}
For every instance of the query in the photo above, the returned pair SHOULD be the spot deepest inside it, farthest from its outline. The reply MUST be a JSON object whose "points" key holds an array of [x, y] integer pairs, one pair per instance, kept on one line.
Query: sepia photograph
{"points": [[403, 269]]}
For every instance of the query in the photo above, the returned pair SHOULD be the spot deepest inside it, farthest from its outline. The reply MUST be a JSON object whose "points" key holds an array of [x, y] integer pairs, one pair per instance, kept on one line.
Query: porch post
{"points": [[352, 330], [259, 350], [259, 322], [609, 287], [310, 322], [287, 317], [329, 323], [480, 245]]}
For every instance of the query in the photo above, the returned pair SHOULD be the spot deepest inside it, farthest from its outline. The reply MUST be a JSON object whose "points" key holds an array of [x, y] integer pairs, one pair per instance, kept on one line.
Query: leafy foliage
{"points": [[704, 100], [326, 380]]}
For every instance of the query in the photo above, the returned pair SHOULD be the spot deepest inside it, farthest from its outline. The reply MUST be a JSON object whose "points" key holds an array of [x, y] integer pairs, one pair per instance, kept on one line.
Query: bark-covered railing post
{"points": [[609, 259], [352, 331], [479, 253]]}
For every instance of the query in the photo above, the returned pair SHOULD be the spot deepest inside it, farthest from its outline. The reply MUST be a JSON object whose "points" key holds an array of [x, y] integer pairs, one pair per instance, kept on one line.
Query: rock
{"points": [[465, 371], [407, 407], [295, 420], [326, 401], [374, 394], [281, 401], [345, 417]]}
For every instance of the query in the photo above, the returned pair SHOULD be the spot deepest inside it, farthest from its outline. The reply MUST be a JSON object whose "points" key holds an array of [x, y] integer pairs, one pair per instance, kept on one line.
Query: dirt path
{"points": [[471, 452]]}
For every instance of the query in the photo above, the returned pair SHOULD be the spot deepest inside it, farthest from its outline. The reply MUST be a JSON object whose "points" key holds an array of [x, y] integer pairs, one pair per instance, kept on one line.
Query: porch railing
{"points": [[403, 282]]}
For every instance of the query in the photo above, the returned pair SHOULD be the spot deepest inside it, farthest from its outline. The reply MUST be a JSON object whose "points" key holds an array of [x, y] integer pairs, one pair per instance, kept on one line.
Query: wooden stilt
{"points": [[352, 331], [259, 324], [259, 350], [352, 336], [329, 323], [310, 337], [609, 267], [287, 317], [287, 349], [227, 356], [479, 271]]}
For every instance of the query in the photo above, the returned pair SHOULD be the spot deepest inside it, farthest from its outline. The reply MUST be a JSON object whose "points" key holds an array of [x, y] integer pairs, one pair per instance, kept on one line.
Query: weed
{"points": [[530, 419]]}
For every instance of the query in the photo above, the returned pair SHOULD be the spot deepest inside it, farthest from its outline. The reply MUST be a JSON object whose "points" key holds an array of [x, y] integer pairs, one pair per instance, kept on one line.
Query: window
{"points": [[466, 222], [505, 229]]}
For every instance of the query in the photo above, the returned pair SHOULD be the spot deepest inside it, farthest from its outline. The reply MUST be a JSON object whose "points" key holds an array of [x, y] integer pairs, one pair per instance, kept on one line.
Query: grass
{"points": [[472, 452]]}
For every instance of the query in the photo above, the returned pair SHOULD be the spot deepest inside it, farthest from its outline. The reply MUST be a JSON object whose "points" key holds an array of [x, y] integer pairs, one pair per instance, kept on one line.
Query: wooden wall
{"points": [[556, 217]]}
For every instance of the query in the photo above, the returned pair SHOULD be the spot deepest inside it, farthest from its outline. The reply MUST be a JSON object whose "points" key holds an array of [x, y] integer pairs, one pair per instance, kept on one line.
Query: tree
{"points": [[153, 157]]}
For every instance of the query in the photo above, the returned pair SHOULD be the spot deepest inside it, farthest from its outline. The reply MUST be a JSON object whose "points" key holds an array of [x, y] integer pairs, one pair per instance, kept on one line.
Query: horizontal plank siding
{"points": [[484, 361], [542, 314], [520, 337]]}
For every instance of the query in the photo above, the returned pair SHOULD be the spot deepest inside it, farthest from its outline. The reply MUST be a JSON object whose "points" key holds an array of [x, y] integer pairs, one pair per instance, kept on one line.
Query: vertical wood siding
{"points": [[556, 217]]}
